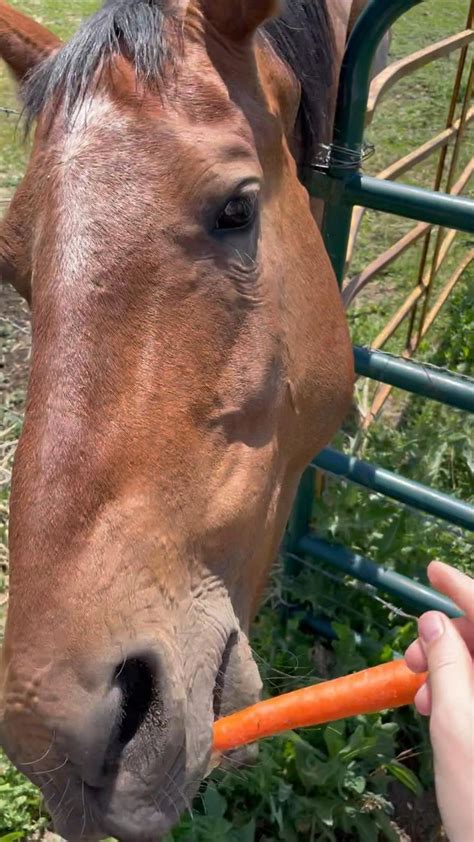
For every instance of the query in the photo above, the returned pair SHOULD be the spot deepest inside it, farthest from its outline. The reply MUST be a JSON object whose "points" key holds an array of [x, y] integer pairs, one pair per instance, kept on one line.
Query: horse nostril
{"points": [[108, 737], [136, 680]]}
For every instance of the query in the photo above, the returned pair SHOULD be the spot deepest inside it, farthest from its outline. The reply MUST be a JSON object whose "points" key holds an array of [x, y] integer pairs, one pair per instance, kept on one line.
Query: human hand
{"points": [[446, 648]]}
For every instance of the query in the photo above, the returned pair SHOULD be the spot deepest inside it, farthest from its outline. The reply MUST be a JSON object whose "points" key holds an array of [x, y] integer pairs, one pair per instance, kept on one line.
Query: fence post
{"points": [[300, 521], [374, 22]]}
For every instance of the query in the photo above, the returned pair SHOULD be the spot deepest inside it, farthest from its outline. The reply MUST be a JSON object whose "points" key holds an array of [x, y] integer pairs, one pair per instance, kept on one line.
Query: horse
{"points": [[190, 354]]}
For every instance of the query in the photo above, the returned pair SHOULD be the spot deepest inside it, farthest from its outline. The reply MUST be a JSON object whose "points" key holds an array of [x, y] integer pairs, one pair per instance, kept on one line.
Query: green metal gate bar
{"points": [[400, 199], [407, 590], [342, 185], [421, 379], [404, 490]]}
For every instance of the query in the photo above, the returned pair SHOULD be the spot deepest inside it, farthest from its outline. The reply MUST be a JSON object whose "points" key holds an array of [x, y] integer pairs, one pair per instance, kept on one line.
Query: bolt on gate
{"points": [[343, 186]]}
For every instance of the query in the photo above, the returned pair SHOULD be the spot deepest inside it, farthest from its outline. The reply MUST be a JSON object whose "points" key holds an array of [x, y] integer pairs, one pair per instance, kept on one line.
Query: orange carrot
{"points": [[390, 685]]}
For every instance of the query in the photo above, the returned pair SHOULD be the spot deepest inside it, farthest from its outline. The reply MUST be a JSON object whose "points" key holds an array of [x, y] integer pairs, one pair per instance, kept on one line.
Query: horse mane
{"points": [[148, 34], [139, 29], [303, 37]]}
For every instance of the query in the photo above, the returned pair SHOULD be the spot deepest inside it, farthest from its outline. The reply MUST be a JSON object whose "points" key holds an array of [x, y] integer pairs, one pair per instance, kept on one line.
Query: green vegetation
{"points": [[361, 779]]}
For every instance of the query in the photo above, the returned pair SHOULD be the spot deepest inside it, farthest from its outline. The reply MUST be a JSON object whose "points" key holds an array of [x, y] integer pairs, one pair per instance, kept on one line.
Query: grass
{"points": [[371, 778]]}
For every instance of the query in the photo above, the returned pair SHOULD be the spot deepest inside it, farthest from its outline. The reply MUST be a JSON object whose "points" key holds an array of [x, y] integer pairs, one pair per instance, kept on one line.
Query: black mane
{"points": [[148, 35], [139, 29], [303, 37]]}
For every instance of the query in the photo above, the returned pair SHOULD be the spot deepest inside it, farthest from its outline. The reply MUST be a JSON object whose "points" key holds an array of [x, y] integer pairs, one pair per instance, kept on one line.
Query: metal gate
{"points": [[342, 185]]}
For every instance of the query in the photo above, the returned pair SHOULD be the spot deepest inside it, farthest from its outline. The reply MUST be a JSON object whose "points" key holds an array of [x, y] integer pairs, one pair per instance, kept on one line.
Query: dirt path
{"points": [[14, 357]]}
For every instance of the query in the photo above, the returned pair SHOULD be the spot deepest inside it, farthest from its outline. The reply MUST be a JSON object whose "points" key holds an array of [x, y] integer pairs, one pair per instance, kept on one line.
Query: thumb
{"points": [[449, 662], [450, 685]]}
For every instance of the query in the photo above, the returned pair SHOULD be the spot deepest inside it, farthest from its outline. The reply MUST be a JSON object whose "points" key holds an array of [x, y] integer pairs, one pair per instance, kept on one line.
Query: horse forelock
{"points": [[147, 32]]}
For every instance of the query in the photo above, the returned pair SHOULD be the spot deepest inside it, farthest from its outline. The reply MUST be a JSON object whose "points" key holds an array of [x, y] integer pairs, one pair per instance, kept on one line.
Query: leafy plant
{"points": [[20, 807]]}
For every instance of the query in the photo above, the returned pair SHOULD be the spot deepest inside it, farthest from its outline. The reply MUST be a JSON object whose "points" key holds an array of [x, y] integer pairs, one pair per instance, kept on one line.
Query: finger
{"points": [[458, 586], [423, 701], [466, 629], [415, 657], [449, 661], [451, 687]]}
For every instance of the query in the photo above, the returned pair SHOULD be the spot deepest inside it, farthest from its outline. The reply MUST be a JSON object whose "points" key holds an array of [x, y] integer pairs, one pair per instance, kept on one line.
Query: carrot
{"points": [[389, 685]]}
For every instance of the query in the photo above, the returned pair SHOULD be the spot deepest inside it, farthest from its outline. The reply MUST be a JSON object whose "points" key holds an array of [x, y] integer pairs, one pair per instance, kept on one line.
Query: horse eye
{"points": [[239, 213]]}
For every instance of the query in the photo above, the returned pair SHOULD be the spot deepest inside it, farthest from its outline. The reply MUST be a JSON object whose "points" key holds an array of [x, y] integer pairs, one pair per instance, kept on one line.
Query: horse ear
{"points": [[23, 42], [238, 19]]}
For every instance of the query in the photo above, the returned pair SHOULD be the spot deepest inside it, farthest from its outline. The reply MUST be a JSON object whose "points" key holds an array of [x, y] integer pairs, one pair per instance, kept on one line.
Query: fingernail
{"points": [[430, 627]]}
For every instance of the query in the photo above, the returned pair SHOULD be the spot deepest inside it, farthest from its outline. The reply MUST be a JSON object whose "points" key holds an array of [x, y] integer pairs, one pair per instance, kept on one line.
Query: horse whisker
{"points": [[43, 757], [50, 771]]}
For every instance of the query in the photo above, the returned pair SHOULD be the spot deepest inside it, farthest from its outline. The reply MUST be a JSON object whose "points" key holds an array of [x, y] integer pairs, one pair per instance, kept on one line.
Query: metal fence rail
{"points": [[343, 186], [406, 491], [417, 311], [400, 199], [416, 594], [422, 379]]}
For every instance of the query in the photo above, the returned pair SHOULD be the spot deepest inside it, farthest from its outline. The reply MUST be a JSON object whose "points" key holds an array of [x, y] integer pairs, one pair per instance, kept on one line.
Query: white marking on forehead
{"points": [[90, 193], [93, 112]]}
